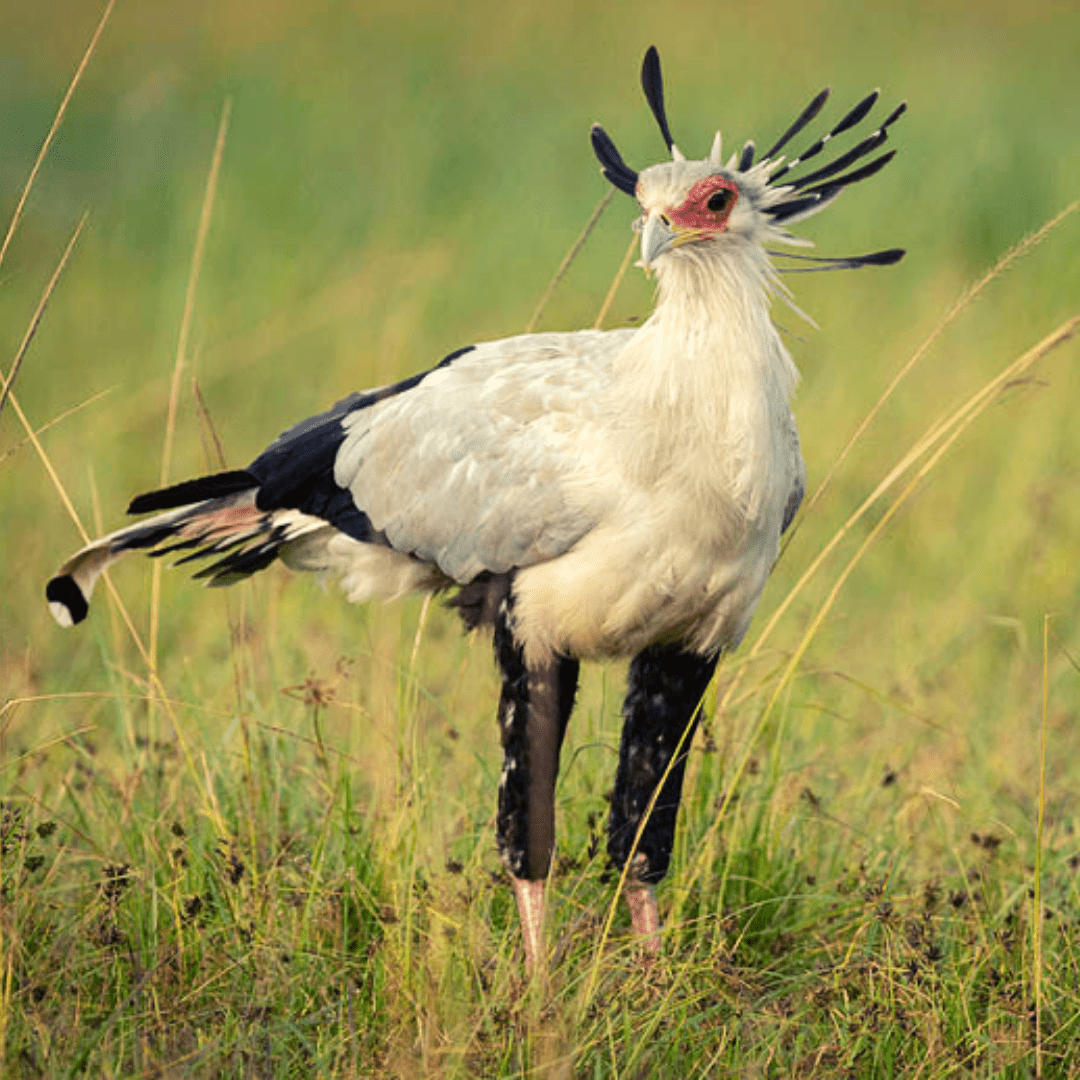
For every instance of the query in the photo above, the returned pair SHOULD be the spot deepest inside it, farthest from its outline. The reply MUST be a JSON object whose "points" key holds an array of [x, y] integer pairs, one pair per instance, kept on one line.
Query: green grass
{"points": [[275, 857]]}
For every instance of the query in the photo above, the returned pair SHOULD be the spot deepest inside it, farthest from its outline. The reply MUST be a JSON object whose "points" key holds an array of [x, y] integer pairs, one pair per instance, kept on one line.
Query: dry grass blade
{"points": [[620, 888], [17, 215], [31, 434], [181, 352], [921, 446], [958, 307], [213, 447], [1037, 912], [150, 652], [58, 419], [947, 432], [39, 313], [32, 438], [567, 262], [192, 287], [605, 307]]}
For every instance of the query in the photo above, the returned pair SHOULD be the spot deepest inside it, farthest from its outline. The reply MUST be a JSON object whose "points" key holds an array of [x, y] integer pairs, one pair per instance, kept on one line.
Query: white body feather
{"points": [[637, 480]]}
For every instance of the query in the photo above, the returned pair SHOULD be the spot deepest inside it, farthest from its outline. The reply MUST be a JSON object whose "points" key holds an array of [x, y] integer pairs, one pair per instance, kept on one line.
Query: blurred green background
{"points": [[399, 180]]}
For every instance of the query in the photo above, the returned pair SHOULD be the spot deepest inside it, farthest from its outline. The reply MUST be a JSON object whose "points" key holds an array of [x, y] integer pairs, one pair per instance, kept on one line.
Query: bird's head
{"points": [[687, 203]]}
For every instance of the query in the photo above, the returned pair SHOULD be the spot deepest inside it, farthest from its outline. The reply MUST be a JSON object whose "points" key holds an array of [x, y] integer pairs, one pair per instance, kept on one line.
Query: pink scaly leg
{"points": [[644, 916], [530, 902]]}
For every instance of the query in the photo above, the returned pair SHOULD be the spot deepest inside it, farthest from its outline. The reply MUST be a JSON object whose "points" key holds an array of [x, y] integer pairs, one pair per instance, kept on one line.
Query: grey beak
{"points": [[656, 237]]}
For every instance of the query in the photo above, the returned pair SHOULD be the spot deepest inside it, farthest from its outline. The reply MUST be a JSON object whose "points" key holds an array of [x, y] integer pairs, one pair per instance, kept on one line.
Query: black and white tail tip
{"points": [[66, 600], [200, 521]]}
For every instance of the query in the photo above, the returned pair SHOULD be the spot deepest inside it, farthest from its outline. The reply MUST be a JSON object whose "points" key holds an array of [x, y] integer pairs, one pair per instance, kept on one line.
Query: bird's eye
{"points": [[720, 200]]}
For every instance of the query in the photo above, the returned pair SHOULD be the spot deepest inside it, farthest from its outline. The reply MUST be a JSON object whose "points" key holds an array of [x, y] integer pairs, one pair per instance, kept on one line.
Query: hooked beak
{"points": [[659, 235]]}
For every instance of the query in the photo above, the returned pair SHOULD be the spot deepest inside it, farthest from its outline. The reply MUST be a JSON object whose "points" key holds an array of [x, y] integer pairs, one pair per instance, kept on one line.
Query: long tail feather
{"points": [[213, 525]]}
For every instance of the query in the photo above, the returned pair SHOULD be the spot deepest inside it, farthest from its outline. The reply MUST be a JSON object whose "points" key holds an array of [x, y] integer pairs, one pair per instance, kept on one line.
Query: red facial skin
{"points": [[694, 212]]}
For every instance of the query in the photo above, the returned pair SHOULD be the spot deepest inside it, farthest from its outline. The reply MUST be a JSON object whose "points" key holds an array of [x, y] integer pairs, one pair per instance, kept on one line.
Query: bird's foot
{"points": [[640, 898], [530, 902], [644, 916]]}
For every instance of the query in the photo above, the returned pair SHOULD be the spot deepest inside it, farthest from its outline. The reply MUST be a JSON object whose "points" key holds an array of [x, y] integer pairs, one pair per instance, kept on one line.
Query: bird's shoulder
{"points": [[519, 397], [469, 468], [519, 374]]}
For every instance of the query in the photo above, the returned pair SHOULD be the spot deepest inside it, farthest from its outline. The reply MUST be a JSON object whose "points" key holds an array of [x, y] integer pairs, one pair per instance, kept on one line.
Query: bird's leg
{"points": [[530, 905], [664, 688], [534, 709], [644, 915]]}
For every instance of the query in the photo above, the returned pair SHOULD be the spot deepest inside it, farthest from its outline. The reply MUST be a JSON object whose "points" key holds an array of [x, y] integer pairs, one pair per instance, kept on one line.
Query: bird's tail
{"points": [[216, 515]]}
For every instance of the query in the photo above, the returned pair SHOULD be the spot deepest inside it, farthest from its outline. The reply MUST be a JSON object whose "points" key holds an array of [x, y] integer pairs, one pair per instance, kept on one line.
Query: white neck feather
{"points": [[705, 385]]}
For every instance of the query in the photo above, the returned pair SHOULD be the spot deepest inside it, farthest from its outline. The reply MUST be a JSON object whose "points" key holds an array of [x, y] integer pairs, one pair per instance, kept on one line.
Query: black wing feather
{"points": [[193, 491]]}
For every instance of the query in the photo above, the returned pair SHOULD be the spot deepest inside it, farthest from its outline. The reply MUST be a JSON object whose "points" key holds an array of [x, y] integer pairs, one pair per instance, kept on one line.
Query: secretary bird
{"points": [[589, 495]]}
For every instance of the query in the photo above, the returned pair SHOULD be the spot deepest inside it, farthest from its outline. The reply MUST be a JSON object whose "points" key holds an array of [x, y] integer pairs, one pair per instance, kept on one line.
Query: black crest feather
{"points": [[801, 121], [839, 262], [850, 120], [825, 183], [810, 191], [615, 169], [869, 144], [792, 207], [853, 177], [653, 85]]}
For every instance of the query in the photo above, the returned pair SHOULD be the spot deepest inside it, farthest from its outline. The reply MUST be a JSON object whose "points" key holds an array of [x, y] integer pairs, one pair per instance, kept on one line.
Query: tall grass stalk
{"points": [[38, 315], [918, 449], [609, 299], [16, 216], [959, 306], [568, 260], [1037, 899], [201, 234], [945, 433]]}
